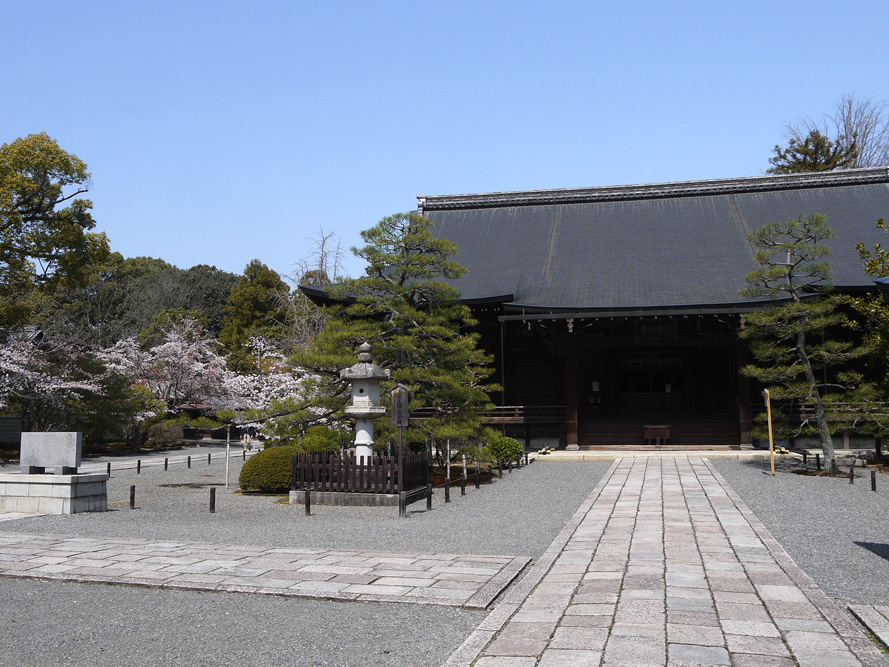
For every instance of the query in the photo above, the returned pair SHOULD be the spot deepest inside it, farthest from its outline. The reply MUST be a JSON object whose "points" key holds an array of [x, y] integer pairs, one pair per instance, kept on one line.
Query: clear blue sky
{"points": [[218, 132]]}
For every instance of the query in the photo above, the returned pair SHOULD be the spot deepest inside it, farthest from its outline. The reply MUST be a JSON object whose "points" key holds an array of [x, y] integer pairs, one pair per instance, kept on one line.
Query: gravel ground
{"points": [[837, 532], [53, 623]]}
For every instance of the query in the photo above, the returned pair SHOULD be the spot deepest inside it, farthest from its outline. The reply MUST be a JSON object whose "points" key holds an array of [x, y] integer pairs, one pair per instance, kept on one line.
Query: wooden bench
{"points": [[656, 432]]}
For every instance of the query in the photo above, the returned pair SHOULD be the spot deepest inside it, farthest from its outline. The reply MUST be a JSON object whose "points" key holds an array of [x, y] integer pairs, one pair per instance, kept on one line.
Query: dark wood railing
{"points": [[511, 414], [344, 474]]}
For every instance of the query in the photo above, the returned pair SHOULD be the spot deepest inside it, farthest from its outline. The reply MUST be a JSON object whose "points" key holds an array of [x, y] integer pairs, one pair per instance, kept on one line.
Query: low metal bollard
{"points": [[308, 502], [873, 480], [189, 461], [212, 500], [243, 454], [463, 484], [490, 474], [805, 458], [499, 470], [477, 473], [209, 454], [852, 473], [818, 462], [138, 466], [108, 470], [166, 463], [133, 497]]}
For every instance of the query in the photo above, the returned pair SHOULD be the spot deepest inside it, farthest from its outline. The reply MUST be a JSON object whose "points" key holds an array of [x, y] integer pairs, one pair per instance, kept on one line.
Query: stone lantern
{"points": [[365, 377]]}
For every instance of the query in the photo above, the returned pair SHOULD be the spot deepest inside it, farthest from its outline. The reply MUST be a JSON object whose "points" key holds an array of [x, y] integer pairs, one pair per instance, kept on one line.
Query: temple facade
{"points": [[613, 313]]}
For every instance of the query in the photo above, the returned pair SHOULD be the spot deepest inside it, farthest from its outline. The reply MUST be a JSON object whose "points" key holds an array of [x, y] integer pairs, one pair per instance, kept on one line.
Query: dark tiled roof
{"points": [[669, 245]]}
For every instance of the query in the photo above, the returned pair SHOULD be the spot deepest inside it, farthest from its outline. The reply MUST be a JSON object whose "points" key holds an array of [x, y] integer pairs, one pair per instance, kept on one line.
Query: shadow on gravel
{"points": [[881, 550]]}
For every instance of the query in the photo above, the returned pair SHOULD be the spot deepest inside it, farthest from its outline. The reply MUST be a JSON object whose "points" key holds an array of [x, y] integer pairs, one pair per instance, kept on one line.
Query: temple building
{"points": [[613, 313]]}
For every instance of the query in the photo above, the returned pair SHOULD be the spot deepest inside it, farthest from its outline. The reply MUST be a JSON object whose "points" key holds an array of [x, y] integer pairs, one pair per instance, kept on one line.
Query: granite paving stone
{"points": [[696, 578], [444, 579]]}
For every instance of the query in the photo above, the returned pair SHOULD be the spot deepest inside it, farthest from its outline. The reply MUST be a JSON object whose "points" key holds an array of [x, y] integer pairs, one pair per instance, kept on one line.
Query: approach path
{"points": [[664, 564]]}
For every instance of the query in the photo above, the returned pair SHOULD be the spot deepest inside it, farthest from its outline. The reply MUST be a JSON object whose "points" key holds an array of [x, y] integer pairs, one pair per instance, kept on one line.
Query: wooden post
{"points": [[308, 501], [571, 393], [771, 440]]}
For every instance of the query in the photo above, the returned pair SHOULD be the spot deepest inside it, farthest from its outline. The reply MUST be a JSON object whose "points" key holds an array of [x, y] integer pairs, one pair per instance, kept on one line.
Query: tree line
{"points": [[108, 345], [93, 341]]}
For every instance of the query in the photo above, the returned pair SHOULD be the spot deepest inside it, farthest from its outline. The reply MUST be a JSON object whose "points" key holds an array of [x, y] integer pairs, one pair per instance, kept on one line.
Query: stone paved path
{"points": [[419, 578], [665, 565]]}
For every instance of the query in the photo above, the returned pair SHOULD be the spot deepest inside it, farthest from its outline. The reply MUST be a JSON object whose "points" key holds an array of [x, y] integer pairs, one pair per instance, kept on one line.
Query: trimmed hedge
{"points": [[504, 449], [268, 471]]}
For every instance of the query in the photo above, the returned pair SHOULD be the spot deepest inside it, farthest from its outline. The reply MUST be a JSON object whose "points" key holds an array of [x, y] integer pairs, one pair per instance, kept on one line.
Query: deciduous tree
{"points": [[253, 309], [859, 122], [44, 222]]}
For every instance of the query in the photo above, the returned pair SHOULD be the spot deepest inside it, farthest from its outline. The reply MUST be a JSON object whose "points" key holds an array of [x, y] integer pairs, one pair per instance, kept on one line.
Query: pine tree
{"points": [[793, 356], [815, 152], [414, 322]]}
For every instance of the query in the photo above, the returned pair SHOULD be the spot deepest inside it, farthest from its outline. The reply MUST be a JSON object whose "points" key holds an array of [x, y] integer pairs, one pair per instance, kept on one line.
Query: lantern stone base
{"points": [[348, 499], [53, 494]]}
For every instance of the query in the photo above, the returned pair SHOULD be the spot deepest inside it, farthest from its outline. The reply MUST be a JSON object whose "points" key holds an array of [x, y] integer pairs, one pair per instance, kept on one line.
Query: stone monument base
{"points": [[53, 494]]}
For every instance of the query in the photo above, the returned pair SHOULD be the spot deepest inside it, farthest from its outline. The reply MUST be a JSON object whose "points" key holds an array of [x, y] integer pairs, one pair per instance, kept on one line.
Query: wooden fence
{"points": [[344, 474]]}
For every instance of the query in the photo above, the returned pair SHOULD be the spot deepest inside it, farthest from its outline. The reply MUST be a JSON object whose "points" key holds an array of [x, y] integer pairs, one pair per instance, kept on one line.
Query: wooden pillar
{"points": [[571, 392], [745, 411]]}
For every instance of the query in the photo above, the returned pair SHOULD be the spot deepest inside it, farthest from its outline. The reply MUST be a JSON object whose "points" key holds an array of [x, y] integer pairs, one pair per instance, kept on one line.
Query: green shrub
{"points": [[268, 471], [504, 449], [164, 435]]}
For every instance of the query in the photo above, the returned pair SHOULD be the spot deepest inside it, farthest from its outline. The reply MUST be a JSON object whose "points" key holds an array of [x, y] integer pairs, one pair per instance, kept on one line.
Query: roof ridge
{"points": [[655, 190]]}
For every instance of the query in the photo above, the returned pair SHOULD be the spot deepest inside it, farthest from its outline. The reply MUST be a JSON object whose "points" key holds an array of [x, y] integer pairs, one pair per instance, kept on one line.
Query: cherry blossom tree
{"points": [[40, 376], [183, 370]]}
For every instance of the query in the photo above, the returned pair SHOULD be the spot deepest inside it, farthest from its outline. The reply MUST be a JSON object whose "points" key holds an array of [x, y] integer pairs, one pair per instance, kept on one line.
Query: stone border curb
{"points": [[874, 618], [472, 647], [864, 649]]}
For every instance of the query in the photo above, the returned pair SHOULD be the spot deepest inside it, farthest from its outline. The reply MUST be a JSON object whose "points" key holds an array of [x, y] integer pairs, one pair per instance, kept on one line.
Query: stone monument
{"points": [[365, 377], [34, 490]]}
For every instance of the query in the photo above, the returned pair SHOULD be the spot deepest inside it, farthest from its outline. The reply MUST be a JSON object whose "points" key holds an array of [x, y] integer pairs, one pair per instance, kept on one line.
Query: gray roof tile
{"points": [[664, 245]]}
